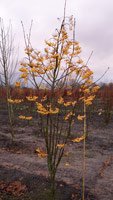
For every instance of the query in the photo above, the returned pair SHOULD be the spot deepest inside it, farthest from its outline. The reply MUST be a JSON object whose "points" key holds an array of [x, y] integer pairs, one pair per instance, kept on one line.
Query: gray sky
{"points": [[94, 26]]}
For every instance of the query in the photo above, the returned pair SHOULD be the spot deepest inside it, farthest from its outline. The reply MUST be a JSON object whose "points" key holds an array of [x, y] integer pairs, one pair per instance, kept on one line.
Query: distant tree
{"points": [[8, 64]]}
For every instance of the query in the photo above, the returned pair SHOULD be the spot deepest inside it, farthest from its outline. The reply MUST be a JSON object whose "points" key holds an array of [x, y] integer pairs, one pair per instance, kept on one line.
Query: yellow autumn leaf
{"points": [[31, 98], [60, 100], [24, 75], [79, 139], [23, 69], [28, 118], [69, 93], [21, 117], [41, 153], [15, 101], [68, 103], [25, 118], [60, 145], [17, 84], [80, 117]]}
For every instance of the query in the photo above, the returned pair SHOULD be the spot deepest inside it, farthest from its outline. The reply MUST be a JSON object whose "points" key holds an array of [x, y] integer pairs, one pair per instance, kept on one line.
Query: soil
{"points": [[23, 175]]}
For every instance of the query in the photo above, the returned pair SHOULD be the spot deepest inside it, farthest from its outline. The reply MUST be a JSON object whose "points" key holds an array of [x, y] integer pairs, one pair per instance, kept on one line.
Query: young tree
{"points": [[8, 64], [56, 106]]}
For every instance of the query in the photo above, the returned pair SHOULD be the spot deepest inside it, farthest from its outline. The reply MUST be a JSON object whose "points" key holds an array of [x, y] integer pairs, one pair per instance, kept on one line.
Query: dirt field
{"points": [[23, 175]]}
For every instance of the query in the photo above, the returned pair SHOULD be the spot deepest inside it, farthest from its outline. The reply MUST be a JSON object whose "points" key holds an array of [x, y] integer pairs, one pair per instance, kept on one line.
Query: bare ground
{"points": [[19, 162]]}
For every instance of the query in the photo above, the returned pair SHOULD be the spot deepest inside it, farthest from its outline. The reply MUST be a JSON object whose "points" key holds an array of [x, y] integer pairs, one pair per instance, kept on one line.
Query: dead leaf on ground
{"points": [[15, 188]]}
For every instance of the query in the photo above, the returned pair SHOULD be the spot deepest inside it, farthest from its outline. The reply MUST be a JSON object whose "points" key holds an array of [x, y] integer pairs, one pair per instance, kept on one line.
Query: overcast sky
{"points": [[94, 26]]}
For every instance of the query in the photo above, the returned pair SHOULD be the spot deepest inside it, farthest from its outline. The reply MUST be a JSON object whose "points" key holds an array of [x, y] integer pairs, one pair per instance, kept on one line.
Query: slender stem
{"points": [[84, 154]]}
